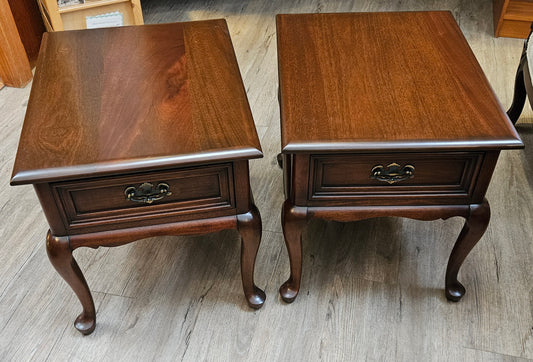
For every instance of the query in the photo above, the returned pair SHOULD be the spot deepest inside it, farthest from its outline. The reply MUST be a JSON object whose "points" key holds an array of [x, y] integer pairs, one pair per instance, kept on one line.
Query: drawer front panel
{"points": [[190, 191], [351, 178]]}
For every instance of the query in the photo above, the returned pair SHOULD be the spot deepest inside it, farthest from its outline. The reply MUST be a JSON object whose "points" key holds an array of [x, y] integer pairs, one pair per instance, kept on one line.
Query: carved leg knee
{"points": [[249, 226], [60, 256]]}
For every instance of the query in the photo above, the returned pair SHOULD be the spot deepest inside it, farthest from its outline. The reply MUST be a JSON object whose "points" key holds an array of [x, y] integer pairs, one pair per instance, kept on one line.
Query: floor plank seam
{"points": [[112, 294], [271, 277], [14, 311], [24, 264], [500, 354], [59, 338]]}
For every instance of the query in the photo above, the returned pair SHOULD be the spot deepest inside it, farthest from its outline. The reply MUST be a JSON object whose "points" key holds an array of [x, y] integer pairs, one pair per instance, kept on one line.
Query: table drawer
{"points": [[393, 178], [147, 196]]}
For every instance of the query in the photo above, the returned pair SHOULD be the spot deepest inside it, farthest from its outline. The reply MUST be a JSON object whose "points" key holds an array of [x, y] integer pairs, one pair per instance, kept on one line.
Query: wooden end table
{"points": [[136, 132], [385, 114]]}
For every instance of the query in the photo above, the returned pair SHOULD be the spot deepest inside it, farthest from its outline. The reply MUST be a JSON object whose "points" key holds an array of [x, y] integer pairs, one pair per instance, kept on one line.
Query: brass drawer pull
{"points": [[392, 173], [146, 193]]}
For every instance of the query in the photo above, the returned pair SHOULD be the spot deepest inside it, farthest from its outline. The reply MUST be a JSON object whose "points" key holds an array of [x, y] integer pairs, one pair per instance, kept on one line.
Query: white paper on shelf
{"points": [[105, 20], [63, 3]]}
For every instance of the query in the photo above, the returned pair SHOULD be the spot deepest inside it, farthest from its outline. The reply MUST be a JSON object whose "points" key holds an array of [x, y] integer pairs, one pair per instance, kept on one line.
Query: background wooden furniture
{"points": [[374, 124], [21, 29], [512, 18], [117, 154], [73, 17]]}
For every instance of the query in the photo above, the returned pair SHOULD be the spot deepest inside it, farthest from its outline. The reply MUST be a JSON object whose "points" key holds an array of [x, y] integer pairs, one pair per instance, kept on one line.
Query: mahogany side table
{"points": [[385, 114], [136, 132]]}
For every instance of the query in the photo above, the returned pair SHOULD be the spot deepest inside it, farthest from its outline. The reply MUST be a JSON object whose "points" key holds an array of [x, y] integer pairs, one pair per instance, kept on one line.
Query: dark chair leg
{"points": [[279, 158], [519, 97], [520, 92]]}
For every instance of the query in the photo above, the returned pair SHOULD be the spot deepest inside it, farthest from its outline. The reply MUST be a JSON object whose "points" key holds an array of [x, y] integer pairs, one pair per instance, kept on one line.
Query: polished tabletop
{"points": [[130, 99], [384, 81]]}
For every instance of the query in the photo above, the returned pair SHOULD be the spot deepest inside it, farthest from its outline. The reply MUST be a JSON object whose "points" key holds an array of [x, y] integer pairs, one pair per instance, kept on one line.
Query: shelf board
{"points": [[89, 4], [519, 10]]}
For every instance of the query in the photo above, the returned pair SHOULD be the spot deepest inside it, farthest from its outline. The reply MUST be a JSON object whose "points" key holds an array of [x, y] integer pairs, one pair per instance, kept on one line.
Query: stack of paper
{"points": [[62, 3], [105, 20]]}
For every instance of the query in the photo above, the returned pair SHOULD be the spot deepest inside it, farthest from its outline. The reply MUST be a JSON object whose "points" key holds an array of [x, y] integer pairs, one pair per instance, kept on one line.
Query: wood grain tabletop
{"points": [[384, 81], [130, 99]]}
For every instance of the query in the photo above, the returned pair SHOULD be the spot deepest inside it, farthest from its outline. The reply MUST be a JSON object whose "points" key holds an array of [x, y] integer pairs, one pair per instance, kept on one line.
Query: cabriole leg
{"points": [[249, 226], [472, 231], [293, 221], [60, 255]]}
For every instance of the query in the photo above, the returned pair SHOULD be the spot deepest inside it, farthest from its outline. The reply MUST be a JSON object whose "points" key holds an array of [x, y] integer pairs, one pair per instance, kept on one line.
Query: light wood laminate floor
{"points": [[371, 290]]}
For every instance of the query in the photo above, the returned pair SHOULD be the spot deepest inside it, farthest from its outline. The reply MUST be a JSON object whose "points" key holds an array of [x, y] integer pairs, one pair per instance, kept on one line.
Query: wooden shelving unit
{"points": [[21, 29], [73, 17], [512, 18]]}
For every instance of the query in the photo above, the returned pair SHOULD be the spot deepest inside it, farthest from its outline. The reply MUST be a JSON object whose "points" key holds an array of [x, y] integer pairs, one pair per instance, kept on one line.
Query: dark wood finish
{"points": [[354, 213], [345, 179], [293, 221], [100, 203], [196, 109], [382, 83], [60, 255], [117, 237], [249, 226], [474, 228], [363, 92], [173, 112], [522, 85]]}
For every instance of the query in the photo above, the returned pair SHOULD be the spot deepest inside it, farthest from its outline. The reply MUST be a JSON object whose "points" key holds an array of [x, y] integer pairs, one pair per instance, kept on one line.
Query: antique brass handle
{"points": [[392, 173], [147, 193]]}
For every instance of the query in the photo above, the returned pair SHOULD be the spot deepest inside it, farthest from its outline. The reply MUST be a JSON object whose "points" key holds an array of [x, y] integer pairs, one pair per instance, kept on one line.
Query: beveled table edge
{"points": [[403, 146], [281, 15], [120, 167], [303, 146]]}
